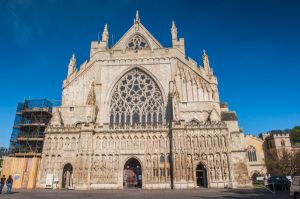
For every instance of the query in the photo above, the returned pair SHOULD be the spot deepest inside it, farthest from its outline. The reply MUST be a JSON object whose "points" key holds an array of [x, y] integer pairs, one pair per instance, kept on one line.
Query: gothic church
{"points": [[138, 114]]}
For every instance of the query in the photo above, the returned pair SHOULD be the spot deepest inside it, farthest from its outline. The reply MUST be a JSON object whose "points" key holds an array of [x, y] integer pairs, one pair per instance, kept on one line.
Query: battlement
{"points": [[275, 135]]}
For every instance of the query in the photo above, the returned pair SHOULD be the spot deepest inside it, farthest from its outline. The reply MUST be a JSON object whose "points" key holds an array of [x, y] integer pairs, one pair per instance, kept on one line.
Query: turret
{"points": [[205, 61], [105, 37], [175, 43], [174, 33], [72, 65], [207, 69], [102, 45]]}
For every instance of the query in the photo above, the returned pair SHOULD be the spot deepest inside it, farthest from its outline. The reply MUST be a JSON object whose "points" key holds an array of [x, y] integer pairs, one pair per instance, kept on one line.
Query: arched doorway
{"points": [[67, 178], [201, 175], [255, 177], [132, 177]]}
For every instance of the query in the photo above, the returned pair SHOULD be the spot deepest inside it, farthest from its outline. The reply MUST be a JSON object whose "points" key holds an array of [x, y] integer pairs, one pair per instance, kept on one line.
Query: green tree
{"points": [[295, 136]]}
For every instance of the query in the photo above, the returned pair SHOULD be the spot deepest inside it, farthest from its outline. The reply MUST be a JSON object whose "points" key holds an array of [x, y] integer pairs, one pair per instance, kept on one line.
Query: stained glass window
{"points": [[136, 99]]}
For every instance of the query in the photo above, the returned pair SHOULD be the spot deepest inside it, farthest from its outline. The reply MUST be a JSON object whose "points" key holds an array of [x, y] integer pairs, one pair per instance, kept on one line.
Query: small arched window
{"points": [[251, 154], [282, 143]]}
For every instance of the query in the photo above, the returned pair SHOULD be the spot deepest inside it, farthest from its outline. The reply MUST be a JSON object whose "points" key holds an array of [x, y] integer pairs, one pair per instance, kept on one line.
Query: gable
{"points": [[137, 33]]}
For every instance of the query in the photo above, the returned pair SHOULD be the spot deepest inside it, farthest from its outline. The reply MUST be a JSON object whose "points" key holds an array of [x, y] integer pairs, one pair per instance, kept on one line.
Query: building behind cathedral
{"points": [[273, 146], [138, 114]]}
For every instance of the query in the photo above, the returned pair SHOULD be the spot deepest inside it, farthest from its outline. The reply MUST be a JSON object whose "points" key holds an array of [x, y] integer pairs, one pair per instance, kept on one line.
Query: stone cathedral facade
{"points": [[138, 114]]}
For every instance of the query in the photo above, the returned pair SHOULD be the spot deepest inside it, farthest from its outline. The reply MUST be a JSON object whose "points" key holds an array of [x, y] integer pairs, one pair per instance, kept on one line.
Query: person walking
{"points": [[9, 183], [2, 183]]}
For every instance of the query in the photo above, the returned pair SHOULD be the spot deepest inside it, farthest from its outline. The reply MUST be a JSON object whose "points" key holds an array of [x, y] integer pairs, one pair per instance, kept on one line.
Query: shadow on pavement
{"points": [[13, 192], [248, 194]]}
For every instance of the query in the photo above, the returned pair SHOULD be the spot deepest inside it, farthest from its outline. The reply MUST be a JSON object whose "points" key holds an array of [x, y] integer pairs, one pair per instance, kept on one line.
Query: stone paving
{"points": [[146, 194]]}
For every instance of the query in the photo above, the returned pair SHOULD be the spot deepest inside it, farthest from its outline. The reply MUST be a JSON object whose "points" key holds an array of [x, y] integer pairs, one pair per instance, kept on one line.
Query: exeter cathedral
{"points": [[138, 114]]}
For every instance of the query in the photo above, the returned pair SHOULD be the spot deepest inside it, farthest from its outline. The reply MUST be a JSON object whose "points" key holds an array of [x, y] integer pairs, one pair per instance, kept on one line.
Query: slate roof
{"points": [[229, 116]]}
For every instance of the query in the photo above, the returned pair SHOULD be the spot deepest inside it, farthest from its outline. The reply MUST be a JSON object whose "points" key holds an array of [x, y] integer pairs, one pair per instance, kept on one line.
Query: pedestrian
{"points": [[2, 183], [265, 181], [9, 183]]}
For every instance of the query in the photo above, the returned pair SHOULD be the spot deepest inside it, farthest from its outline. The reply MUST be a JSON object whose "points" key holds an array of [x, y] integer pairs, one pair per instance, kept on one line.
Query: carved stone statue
{"points": [[56, 119]]}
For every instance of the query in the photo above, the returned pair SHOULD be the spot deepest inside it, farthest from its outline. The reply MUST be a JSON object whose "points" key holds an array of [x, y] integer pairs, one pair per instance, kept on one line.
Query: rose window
{"points": [[136, 99]]}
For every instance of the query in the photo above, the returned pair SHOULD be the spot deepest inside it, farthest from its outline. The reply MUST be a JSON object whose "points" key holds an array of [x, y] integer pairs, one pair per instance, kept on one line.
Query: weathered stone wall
{"points": [[239, 161], [99, 156], [206, 143], [258, 166]]}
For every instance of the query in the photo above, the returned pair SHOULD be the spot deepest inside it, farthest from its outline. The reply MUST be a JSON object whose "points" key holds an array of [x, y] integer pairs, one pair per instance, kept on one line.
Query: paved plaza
{"points": [[137, 193]]}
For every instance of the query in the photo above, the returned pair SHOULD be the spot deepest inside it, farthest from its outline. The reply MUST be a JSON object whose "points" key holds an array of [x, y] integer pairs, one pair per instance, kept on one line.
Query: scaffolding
{"points": [[31, 120]]}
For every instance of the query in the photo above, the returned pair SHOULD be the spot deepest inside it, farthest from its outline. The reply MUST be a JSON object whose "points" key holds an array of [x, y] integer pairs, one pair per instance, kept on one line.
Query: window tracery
{"points": [[137, 42], [252, 154], [136, 99]]}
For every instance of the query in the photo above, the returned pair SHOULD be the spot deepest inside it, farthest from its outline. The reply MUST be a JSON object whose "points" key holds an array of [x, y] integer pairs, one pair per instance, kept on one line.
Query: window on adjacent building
{"points": [[252, 154]]}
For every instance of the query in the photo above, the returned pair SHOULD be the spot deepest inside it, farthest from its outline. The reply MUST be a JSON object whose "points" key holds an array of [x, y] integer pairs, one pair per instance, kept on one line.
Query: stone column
{"points": [[85, 150]]}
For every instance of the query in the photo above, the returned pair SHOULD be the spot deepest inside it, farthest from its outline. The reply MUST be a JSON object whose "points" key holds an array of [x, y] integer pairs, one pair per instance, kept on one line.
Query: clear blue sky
{"points": [[253, 46]]}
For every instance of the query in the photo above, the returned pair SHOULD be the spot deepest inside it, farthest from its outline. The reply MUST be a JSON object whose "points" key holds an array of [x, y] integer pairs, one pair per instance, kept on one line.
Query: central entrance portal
{"points": [[201, 175], [132, 174]]}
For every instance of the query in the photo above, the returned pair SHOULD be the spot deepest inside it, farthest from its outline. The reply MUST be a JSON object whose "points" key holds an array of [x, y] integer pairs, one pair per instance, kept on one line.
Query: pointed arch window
{"points": [[137, 42], [137, 97], [252, 154]]}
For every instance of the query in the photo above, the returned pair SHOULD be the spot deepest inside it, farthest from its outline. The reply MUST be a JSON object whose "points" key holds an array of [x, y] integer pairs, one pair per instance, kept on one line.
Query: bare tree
{"points": [[283, 162]]}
